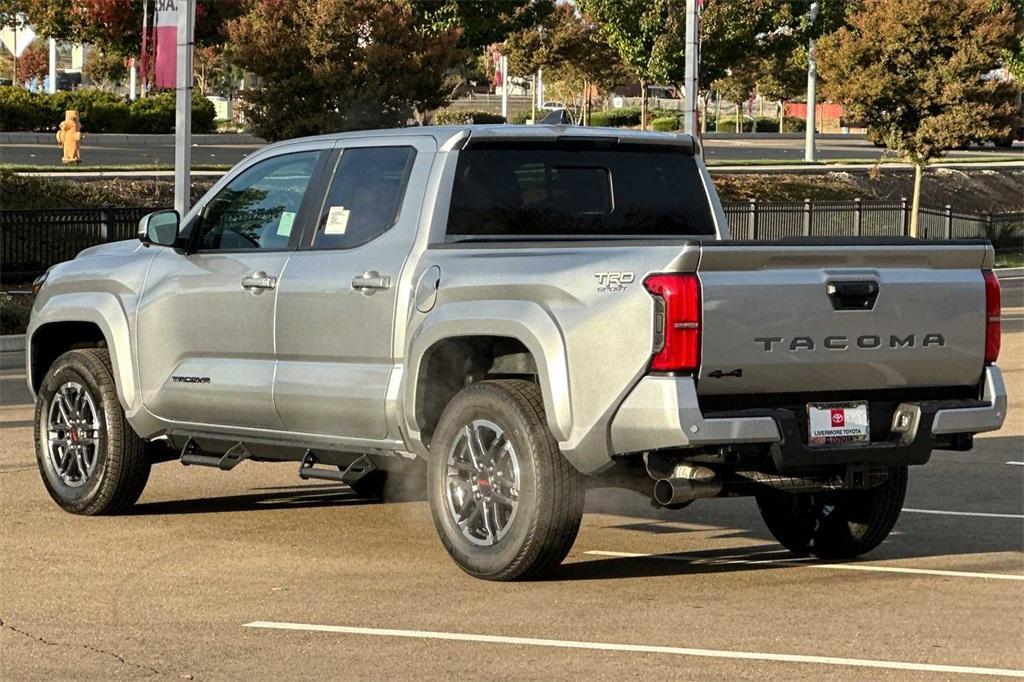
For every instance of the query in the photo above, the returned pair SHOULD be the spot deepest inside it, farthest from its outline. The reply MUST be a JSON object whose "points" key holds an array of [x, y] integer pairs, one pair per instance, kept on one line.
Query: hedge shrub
{"points": [[14, 313], [521, 118], [99, 111], [667, 124], [446, 117], [764, 125], [616, 118]]}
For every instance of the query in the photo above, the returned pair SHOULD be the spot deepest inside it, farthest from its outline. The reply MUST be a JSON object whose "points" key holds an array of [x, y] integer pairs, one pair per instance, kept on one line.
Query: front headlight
{"points": [[39, 282]]}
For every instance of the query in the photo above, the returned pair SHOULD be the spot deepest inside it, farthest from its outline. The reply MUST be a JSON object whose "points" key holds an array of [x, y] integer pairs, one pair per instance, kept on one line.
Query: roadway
{"points": [[159, 150], [255, 574]]}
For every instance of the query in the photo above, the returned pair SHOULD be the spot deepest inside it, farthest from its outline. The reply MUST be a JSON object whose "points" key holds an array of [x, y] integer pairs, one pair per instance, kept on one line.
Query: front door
{"points": [[337, 301], [206, 319]]}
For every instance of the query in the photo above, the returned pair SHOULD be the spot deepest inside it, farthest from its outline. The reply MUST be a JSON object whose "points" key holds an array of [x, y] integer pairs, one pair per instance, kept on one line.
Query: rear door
{"points": [[337, 302], [800, 318], [206, 319]]}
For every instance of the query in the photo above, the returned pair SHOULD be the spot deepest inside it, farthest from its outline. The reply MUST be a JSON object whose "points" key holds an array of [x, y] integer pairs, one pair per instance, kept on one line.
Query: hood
{"points": [[121, 248]]}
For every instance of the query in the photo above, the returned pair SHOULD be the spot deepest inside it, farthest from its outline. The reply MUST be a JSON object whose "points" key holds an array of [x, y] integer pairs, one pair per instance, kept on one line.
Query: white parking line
{"points": [[703, 561], [1020, 464], [942, 512], [640, 648]]}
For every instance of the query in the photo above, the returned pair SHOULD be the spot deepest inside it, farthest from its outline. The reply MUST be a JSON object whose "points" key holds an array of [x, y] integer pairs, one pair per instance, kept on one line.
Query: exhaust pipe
{"points": [[688, 483], [671, 492]]}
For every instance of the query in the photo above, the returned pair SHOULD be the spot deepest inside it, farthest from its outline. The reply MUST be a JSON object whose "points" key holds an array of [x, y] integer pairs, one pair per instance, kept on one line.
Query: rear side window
{"points": [[577, 190], [365, 196]]}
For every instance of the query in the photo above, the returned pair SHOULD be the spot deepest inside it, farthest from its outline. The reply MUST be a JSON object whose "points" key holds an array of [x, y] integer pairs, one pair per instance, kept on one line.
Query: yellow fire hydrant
{"points": [[69, 136]]}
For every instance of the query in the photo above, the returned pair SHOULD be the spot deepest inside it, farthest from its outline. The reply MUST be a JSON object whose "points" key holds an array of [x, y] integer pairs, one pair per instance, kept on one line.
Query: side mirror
{"points": [[160, 228]]}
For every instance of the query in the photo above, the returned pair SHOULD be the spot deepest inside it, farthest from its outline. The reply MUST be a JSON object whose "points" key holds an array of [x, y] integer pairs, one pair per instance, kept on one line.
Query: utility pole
{"points": [[690, 123], [812, 87], [52, 75], [183, 107]]}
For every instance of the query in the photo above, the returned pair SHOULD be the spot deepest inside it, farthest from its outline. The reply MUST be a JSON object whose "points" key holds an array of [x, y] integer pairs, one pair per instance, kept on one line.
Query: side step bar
{"points": [[353, 473], [192, 455]]}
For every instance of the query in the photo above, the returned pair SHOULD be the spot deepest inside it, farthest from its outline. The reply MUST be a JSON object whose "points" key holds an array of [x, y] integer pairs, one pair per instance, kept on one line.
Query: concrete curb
{"points": [[204, 140], [12, 343]]}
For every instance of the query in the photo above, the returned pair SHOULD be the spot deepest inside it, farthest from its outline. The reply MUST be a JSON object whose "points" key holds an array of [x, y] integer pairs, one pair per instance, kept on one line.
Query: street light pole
{"points": [[183, 107], [812, 87], [690, 123]]}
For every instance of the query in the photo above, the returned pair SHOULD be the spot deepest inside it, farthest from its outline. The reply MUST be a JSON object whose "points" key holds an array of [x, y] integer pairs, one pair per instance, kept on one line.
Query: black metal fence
{"points": [[32, 241], [769, 220]]}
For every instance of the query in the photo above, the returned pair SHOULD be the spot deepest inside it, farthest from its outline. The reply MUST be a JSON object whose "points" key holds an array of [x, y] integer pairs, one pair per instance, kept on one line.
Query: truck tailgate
{"points": [[792, 317]]}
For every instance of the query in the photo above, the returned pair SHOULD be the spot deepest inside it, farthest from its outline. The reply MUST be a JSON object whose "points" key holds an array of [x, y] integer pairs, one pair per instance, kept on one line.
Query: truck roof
{"points": [[450, 135]]}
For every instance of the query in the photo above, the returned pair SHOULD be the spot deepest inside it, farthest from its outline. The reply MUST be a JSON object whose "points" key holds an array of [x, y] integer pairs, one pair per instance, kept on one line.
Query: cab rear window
{"points": [[516, 190]]}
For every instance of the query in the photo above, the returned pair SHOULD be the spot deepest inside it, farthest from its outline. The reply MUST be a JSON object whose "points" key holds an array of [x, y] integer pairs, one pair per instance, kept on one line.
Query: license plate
{"points": [[834, 423]]}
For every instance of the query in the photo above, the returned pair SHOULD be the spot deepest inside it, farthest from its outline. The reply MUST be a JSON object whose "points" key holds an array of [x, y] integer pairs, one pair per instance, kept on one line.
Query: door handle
{"points": [[855, 295], [258, 282], [371, 281]]}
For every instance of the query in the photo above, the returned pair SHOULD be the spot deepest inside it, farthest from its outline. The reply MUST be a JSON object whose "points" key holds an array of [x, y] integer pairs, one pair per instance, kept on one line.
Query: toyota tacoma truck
{"points": [[510, 315]]}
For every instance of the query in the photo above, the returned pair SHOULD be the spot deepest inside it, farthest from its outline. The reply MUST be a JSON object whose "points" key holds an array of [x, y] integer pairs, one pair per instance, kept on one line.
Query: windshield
{"points": [[552, 189]]}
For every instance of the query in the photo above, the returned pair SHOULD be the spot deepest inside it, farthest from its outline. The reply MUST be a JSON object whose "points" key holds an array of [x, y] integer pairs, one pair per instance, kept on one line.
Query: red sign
{"points": [[838, 418]]}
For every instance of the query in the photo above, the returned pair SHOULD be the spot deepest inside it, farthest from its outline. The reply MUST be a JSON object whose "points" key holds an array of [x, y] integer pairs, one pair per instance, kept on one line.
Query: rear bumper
{"points": [[664, 412]]}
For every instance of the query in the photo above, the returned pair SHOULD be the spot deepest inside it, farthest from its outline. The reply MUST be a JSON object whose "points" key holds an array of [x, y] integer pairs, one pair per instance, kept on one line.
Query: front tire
{"points": [[835, 525], [506, 503], [90, 459]]}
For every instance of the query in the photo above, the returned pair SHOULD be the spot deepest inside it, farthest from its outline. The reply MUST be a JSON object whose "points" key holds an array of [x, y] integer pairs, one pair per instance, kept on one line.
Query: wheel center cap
{"points": [[483, 482], [74, 436]]}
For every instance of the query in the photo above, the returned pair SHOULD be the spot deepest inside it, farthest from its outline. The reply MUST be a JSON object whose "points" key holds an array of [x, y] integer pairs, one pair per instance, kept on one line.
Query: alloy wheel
{"points": [[73, 434], [483, 482]]}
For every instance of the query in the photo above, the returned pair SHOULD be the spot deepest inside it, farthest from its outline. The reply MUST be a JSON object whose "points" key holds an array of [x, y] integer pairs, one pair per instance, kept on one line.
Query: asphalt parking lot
{"points": [[256, 574]]}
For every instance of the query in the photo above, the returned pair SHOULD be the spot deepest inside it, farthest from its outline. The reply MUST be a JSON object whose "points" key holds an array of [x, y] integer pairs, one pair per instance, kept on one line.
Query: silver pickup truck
{"points": [[515, 313]]}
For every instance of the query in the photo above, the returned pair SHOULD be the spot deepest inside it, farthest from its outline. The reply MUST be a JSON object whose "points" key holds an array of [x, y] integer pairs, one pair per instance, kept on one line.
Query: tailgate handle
{"points": [[859, 295]]}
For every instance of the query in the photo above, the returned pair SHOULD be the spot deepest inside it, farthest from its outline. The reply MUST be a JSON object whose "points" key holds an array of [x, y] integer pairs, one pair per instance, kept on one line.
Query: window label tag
{"points": [[284, 226], [337, 220]]}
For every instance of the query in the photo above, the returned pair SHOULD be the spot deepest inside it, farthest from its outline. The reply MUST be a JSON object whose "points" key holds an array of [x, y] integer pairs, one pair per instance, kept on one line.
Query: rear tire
{"points": [[93, 462], [835, 525], [492, 447]]}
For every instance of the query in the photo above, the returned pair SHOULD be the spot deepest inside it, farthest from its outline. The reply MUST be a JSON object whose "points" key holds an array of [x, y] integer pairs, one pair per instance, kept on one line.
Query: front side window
{"points": [[577, 189], [257, 209], [365, 196]]}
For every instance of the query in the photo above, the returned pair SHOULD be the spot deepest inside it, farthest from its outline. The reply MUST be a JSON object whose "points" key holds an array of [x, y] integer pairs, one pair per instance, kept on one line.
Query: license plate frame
{"points": [[851, 427]]}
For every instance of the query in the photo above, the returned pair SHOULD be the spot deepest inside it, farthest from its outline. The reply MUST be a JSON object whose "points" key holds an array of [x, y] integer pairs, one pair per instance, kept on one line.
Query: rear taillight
{"points": [[676, 322], [993, 317]]}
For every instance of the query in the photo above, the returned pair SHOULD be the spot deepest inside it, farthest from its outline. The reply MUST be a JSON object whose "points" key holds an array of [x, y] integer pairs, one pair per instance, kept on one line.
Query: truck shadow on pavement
{"points": [[283, 497]]}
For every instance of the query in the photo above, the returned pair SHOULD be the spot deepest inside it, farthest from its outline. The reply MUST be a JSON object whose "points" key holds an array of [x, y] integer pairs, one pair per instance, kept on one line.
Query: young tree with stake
{"points": [[918, 73]]}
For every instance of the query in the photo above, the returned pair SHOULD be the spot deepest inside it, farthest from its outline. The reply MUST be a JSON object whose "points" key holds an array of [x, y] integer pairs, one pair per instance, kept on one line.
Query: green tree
{"points": [[572, 53], [481, 22], [332, 65], [916, 71], [648, 36], [105, 69]]}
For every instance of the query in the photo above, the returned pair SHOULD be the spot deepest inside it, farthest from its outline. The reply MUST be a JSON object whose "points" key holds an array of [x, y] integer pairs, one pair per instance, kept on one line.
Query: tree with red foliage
{"points": [[34, 63], [116, 25]]}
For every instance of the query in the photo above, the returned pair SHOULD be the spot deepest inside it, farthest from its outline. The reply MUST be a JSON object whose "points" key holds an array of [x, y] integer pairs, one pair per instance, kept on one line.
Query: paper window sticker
{"points": [[284, 225], [337, 220]]}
